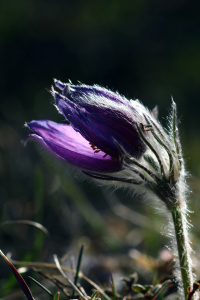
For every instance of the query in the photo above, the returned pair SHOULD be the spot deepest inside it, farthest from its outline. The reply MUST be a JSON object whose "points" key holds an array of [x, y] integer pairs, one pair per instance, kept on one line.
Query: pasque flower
{"points": [[108, 136], [119, 141], [101, 124]]}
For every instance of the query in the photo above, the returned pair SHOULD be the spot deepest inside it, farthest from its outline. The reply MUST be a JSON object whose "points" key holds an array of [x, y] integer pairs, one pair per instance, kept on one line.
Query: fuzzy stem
{"points": [[183, 246]]}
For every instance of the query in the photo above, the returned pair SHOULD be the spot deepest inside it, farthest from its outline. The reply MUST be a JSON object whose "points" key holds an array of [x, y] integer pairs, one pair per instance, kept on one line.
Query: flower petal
{"points": [[102, 125], [91, 131], [71, 146], [80, 90]]}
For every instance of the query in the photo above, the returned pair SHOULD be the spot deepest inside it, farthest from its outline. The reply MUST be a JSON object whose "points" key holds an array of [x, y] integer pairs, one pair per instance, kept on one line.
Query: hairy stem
{"points": [[183, 246]]}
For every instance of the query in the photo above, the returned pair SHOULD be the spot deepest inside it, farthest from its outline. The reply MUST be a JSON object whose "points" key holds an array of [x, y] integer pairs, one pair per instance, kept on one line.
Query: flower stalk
{"points": [[183, 248]]}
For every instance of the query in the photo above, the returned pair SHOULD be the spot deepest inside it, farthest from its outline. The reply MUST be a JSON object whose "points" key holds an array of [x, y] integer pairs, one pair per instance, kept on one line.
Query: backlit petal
{"points": [[71, 146]]}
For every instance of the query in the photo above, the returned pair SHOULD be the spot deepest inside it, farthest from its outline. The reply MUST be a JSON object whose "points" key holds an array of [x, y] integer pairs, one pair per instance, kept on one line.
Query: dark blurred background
{"points": [[147, 50]]}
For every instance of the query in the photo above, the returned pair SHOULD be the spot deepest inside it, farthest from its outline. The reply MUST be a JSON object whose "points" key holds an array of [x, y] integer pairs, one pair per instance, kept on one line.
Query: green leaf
{"points": [[148, 287], [139, 288], [57, 296]]}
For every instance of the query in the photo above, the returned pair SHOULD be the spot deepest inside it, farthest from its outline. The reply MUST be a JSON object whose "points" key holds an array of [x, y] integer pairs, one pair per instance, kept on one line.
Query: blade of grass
{"points": [[40, 285], [19, 278], [78, 268], [64, 275], [94, 295], [53, 266], [113, 288], [28, 222]]}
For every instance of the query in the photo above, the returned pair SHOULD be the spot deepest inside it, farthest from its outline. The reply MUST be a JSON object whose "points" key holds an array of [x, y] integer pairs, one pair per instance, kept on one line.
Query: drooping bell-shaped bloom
{"points": [[101, 124], [108, 137]]}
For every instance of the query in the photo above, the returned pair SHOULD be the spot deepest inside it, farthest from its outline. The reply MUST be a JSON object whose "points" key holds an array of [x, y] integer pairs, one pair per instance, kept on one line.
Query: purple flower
{"points": [[103, 126], [110, 138], [113, 139]]}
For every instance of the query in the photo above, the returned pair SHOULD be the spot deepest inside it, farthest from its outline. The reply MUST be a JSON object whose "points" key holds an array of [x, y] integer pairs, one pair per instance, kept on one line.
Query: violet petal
{"points": [[81, 90], [71, 146], [103, 126]]}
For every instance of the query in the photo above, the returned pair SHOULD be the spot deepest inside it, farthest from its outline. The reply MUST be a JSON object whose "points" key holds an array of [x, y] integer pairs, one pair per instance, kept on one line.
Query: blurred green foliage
{"points": [[145, 49]]}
